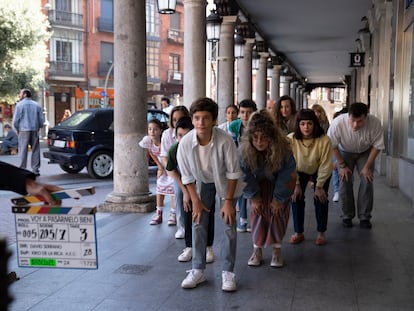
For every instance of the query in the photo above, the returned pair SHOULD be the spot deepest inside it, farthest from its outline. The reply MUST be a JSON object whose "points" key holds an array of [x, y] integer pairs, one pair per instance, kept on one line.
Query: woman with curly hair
{"points": [[270, 174], [285, 113]]}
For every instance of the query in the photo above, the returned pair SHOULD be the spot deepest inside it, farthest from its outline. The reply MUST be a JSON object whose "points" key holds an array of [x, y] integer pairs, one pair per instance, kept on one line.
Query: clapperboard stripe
{"points": [[46, 209], [58, 195]]}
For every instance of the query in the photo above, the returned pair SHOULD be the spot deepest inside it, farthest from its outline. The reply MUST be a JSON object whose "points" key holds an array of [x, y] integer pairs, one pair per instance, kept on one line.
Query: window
{"points": [[106, 20], [174, 62], [175, 21], [107, 52], [153, 52], [63, 5], [63, 9], [63, 51], [107, 58], [152, 18], [66, 53]]}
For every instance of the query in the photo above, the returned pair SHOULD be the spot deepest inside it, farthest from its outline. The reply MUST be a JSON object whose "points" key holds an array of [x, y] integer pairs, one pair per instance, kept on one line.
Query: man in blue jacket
{"points": [[28, 120]]}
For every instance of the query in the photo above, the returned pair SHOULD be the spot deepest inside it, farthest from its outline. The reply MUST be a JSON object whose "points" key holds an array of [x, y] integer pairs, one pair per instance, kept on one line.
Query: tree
{"points": [[23, 52]]}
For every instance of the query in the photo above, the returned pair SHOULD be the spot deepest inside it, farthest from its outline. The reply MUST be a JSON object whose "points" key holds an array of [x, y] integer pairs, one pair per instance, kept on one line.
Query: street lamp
{"points": [[166, 6], [239, 43], [63, 97], [213, 24], [106, 98], [269, 67]]}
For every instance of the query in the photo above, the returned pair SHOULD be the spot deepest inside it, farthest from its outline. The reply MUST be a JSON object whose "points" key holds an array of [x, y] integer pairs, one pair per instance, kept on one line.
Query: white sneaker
{"points": [[209, 254], [180, 233], [256, 257], [336, 197], [228, 281], [277, 260], [186, 255], [193, 278]]}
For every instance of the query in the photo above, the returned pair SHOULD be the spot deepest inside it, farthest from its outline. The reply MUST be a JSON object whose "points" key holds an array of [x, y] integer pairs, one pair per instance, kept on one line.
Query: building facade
{"points": [[81, 60]]}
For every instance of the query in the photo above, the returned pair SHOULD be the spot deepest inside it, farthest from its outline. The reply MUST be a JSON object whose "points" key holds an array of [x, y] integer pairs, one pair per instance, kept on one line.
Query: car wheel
{"points": [[101, 165], [70, 170]]}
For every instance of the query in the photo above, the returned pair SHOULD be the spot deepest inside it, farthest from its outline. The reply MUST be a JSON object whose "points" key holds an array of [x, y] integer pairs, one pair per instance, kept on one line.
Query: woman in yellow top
{"points": [[312, 150]]}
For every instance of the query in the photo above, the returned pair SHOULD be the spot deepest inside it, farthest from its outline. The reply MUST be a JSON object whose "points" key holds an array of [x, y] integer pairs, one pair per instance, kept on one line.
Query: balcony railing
{"points": [[175, 36], [105, 24], [66, 69], [103, 68], [64, 18], [175, 77]]}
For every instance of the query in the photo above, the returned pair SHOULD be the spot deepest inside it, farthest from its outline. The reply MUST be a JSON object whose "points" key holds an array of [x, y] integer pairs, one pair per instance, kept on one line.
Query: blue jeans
{"points": [[242, 201], [200, 233], [298, 207], [187, 219], [179, 206]]}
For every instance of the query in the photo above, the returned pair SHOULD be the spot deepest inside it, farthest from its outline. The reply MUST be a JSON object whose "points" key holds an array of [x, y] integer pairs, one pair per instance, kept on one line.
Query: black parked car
{"points": [[86, 139]]}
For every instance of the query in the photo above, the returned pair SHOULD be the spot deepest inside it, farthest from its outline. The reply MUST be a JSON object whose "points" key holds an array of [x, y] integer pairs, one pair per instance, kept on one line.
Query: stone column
{"points": [[194, 50], [225, 64], [285, 80], [131, 186], [305, 98], [261, 82], [299, 97], [292, 92], [275, 86], [244, 87], [85, 99]]}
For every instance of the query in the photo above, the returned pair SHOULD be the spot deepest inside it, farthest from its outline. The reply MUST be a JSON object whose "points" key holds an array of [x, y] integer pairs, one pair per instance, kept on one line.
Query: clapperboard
{"points": [[56, 236]]}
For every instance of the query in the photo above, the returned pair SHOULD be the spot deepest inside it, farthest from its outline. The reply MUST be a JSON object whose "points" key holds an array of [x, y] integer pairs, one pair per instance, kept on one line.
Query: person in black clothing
{"points": [[24, 182]]}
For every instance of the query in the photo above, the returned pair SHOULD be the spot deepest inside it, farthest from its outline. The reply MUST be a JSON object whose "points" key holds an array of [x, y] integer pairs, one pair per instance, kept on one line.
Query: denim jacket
{"points": [[284, 179]]}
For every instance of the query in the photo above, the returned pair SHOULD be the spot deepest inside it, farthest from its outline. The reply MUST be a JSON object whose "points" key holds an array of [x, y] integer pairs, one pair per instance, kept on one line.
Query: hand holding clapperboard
{"points": [[56, 236]]}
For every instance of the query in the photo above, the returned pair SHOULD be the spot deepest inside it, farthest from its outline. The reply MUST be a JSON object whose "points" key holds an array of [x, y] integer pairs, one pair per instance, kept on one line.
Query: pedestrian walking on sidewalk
{"points": [[28, 119], [357, 139]]}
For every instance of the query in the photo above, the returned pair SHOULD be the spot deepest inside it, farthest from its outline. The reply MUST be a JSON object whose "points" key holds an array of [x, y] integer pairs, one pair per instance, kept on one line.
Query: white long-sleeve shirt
{"points": [[224, 161]]}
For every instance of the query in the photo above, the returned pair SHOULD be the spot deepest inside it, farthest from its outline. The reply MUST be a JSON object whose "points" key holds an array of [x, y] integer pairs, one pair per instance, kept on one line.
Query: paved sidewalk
{"points": [[358, 269]]}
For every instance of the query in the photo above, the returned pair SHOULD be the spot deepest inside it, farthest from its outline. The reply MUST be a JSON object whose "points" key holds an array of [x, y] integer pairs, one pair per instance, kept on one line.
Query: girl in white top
{"points": [[231, 114], [152, 142], [167, 140]]}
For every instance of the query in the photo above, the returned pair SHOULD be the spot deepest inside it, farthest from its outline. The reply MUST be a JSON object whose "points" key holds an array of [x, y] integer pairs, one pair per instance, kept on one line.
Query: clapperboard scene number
{"points": [[56, 236]]}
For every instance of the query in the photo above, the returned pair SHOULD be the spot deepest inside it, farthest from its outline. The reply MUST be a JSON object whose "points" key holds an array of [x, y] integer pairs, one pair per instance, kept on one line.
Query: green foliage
{"points": [[23, 32]]}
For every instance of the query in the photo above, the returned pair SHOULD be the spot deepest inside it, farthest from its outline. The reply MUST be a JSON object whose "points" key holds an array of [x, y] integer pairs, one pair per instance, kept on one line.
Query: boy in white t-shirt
{"points": [[207, 157]]}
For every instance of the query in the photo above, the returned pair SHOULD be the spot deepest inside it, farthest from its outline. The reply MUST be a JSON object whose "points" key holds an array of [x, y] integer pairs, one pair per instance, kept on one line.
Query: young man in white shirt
{"points": [[209, 163]]}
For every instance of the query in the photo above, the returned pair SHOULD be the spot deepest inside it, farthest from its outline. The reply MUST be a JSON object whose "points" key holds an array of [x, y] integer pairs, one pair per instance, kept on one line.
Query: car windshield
{"points": [[76, 119]]}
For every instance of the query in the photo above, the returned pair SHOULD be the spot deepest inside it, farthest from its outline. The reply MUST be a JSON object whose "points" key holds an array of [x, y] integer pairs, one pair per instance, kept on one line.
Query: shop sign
{"points": [[357, 59]]}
